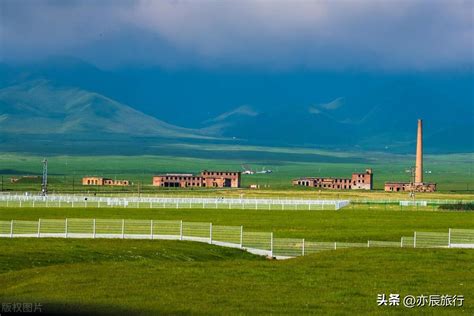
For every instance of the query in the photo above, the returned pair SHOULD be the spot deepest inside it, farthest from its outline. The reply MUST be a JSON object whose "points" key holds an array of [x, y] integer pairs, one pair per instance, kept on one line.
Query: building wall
{"points": [[116, 182], [104, 181], [306, 182], [229, 179], [92, 181], [407, 187], [177, 181], [362, 181], [359, 181], [213, 179], [396, 187]]}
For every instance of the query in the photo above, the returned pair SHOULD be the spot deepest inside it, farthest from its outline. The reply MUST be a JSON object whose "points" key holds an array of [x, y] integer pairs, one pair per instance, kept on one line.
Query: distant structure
{"points": [[209, 179], [15, 179], [359, 181], [44, 182], [99, 181], [417, 184]]}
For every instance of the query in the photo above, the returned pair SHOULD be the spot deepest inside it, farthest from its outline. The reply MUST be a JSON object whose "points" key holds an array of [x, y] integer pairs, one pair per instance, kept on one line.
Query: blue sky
{"points": [[388, 35]]}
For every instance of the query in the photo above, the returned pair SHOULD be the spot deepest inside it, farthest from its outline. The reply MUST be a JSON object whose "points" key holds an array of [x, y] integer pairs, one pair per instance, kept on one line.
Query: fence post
{"points": [[210, 233], [181, 230], [414, 241], [65, 232], [123, 228], [151, 229], [93, 231], [368, 243], [335, 245], [303, 247], [401, 242], [39, 227], [271, 244], [241, 236], [11, 229], [449, 238]]}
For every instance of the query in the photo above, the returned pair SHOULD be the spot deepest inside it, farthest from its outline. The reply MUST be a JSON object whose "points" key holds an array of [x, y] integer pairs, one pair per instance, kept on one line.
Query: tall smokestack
{"points": [[419, 154]]}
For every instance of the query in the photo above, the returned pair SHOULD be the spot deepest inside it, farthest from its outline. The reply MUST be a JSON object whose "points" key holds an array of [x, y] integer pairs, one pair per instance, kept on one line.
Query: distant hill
{"points": [[40, 107], [339, 110]]}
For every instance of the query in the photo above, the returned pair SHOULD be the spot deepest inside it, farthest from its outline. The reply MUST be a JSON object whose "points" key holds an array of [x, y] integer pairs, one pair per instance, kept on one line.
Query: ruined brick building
{"points": [[358, 181], [99, 181], [209, 179]]}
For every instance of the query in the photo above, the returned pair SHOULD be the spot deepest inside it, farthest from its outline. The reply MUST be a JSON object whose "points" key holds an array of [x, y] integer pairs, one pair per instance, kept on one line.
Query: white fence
{"points": [[461, 238], [430, 240], [262, 243], [413, 203], [410, 202], [383, 244], [18, 200], [407, 242]]}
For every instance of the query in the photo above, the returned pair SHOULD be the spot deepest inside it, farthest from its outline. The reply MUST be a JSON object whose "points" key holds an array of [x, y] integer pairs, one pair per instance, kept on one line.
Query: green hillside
{"points": [[40, 107]]}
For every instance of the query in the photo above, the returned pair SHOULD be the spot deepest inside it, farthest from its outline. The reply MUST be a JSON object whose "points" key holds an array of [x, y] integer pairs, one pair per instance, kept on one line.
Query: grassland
{"points": [[452, 172], [357, 224], [171, 277]]}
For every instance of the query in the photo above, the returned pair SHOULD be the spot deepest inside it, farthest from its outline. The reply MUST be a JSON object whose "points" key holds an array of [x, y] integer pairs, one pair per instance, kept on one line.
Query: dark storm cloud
{"points": [[383, 34]]}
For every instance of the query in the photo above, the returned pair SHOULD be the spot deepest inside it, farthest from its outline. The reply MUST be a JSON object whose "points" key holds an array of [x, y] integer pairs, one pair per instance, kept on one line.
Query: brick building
{"points": [[209, 179], [407, 186], [100, 181], [358, 181]]}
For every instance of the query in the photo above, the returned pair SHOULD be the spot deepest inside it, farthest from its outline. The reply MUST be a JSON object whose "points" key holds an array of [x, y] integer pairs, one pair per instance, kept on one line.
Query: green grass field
{"points": [[169, 277], [357, 224], [173, 277], [452, 172]]}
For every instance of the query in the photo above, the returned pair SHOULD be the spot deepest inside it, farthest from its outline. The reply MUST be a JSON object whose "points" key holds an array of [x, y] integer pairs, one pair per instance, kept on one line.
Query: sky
{"points": [[337, 34]]}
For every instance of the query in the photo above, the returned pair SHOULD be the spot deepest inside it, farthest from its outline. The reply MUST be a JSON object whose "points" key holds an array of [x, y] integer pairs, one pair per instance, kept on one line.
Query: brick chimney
{"points": [[419, 154]]}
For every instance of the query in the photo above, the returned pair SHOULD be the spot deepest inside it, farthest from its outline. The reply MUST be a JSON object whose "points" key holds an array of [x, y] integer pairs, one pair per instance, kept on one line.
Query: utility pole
{"points": [[44, 183]]}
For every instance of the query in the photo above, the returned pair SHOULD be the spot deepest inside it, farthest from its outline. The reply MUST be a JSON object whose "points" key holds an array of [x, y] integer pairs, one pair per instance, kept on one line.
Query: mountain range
{"points": [[342, 110], [41, 107]]}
